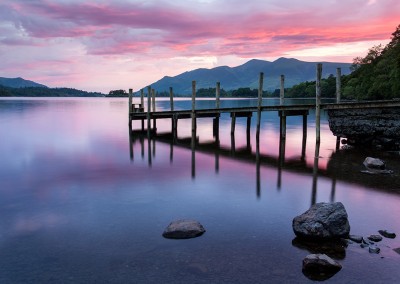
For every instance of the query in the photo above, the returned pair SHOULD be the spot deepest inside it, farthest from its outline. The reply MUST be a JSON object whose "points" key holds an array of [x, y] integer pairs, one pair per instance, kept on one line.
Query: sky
{"points": [[107, 45]]}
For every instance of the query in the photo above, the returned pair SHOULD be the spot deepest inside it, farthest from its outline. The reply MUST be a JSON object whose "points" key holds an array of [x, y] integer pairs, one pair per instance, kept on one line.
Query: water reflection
{"points": [[243, 154]]}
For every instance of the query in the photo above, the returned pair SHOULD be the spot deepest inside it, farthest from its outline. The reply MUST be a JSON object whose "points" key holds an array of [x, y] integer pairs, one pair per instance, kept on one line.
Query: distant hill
{"points": [[19, 83], [246, 75]]}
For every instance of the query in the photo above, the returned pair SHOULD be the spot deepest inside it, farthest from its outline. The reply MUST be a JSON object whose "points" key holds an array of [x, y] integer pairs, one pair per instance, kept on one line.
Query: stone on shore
{"points": [[320, 266], [387, 234], [322, 221], [183, 229]]}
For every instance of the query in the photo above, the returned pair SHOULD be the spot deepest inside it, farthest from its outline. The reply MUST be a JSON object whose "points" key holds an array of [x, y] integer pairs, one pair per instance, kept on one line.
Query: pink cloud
{"points": [[160, 30]]}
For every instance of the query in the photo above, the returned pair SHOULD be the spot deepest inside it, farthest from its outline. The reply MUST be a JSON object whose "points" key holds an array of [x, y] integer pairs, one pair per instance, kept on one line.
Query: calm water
{"points": [[79, 203]]}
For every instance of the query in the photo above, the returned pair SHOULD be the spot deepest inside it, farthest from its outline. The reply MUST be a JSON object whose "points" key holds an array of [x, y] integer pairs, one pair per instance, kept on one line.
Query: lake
{"points": [[83, 201]]}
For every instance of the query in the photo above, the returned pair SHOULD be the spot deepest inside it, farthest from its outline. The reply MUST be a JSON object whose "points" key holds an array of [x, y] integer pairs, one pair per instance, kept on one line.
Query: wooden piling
{"points": [[282, 90], [193, 106], [153, 97], [171, 98], [259, 103], [217, 94], [318, 103], [142, 98], [130, 107], [148, 108], [338, 84]]}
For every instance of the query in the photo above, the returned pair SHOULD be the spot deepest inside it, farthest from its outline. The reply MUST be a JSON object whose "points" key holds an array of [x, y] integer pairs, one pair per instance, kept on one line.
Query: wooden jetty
{"points": [[137, 111]]}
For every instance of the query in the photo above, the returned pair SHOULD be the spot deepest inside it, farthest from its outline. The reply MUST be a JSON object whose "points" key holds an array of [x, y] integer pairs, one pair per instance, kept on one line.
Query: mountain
{"points": [[247, 75], [19, 83]]}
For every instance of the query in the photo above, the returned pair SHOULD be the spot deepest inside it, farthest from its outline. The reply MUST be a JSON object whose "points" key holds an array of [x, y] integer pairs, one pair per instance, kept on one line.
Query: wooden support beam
{"points": [[171, 98], [153, 97], [142, 98], [318, 103], [338, 84], [217, 94], [148, 108], [130, 107], [282, 90]]}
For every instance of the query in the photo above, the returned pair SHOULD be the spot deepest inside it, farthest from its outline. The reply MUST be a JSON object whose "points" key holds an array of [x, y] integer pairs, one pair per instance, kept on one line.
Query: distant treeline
{"points": [[45, 92], [305, 89]]}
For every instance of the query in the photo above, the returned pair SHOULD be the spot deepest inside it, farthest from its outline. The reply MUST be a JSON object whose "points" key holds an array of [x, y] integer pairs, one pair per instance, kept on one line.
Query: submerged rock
{"points": [[397, 250], [356, 238], [183, 229], [320, 266], [387, 234], [375, 238], [322, 221], [374, 249]]}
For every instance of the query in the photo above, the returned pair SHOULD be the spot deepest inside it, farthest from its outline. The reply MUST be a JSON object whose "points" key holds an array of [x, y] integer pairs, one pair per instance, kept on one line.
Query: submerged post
{"points": [[338, 84], [318, 103], [260, 91]]}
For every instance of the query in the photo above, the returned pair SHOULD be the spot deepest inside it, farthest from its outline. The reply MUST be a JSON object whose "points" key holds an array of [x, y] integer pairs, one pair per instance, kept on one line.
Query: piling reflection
{"points": [[243, 154]]}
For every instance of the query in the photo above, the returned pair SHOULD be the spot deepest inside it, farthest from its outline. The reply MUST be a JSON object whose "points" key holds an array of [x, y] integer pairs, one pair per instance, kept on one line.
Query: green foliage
{"points": [[117, 93], [377, 75]]}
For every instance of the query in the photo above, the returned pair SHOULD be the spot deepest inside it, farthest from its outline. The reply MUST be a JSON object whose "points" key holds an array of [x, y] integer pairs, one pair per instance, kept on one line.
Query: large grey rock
{"points": [[320, 263], [322, 221], [183, 229]]}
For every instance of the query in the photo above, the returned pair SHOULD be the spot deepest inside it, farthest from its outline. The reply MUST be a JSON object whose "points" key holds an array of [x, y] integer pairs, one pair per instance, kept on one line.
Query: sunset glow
{"points": [[103, 45]]}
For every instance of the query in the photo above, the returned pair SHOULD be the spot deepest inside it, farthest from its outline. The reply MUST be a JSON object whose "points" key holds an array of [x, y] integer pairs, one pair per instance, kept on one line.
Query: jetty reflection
{"points": [[243, 154]]}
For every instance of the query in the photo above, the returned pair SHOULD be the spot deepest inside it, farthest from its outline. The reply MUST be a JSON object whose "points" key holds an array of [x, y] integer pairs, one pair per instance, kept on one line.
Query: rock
{"points": [[320, 266], [374, 163], [322, 221], [387, 234], [375, 238], [366, 241], [374, 249], [356, 238], [397, 250], [183, 229]]}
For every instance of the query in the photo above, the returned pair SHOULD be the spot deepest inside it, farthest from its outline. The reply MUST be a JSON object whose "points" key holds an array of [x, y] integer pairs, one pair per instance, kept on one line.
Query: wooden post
{"points": [[217, 94], [148, 108], [171, 98], [304, 141], [318, 103], [193, 106], [260, 91], [153, 99], [153, 96], [282, 91], [142, 98], [130, 107], [338, 84]]}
